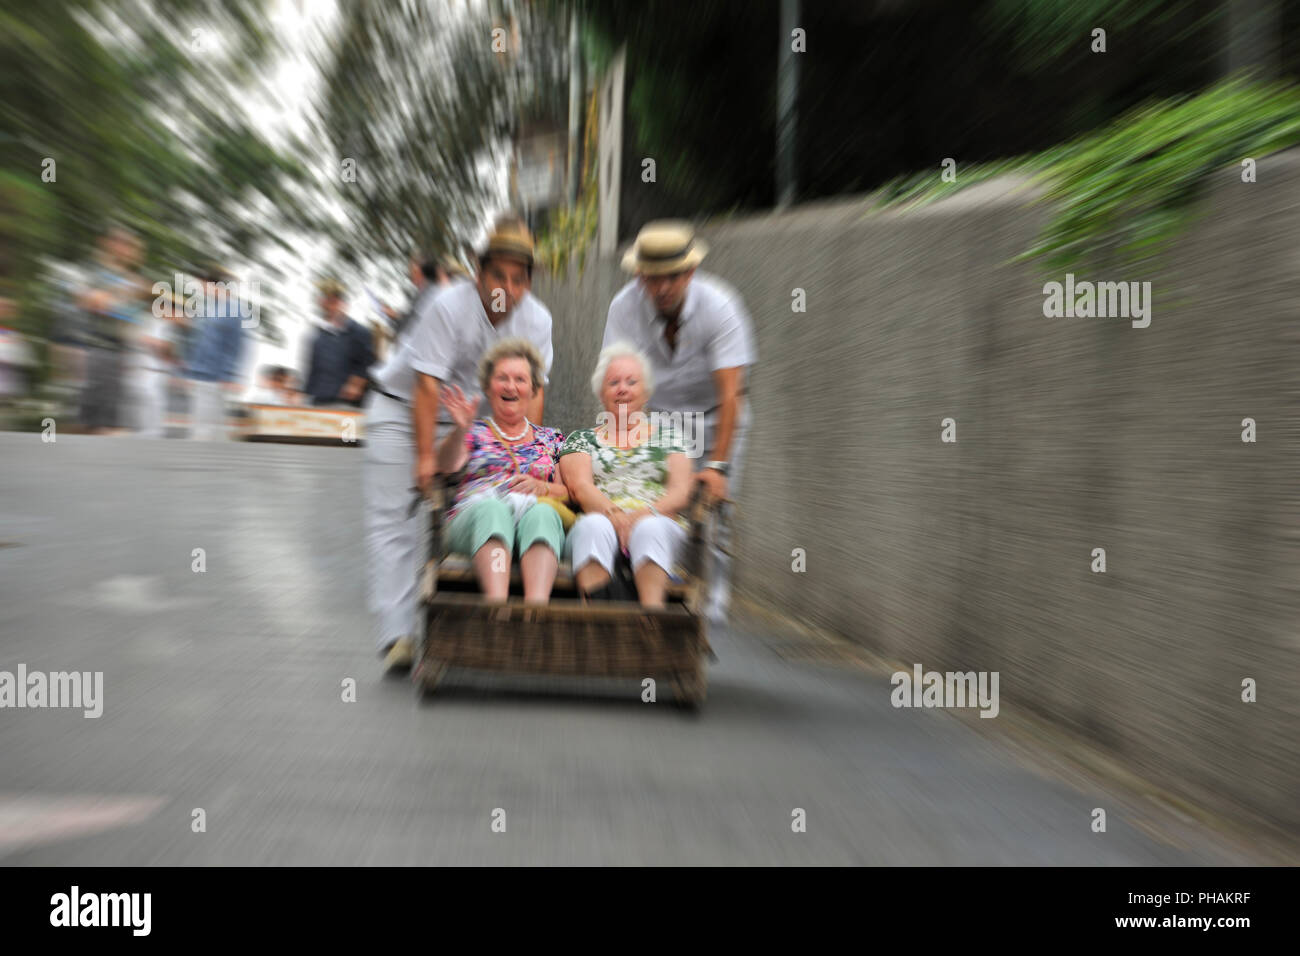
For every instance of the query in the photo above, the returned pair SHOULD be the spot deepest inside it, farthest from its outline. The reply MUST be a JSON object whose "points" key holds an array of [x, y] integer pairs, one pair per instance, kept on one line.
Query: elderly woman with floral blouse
{"points": [[509, 467], [632, 479]]}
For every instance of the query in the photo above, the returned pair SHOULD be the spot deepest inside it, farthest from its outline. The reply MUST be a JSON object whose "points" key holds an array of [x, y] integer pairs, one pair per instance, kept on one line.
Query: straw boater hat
{"points": [[510, 240], [664, 247], [453, 268]]}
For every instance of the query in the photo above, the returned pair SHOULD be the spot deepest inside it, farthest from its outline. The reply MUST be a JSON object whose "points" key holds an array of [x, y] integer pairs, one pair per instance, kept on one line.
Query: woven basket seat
{"points": [[567, 636]]}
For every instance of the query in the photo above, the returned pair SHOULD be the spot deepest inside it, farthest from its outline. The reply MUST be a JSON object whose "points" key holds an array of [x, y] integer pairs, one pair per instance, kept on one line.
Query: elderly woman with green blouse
{"points": [[632, 479]]}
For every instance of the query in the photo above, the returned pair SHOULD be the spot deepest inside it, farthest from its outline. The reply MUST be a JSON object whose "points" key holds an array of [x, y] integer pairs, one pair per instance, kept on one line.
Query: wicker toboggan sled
{"points": [[569, 636]]}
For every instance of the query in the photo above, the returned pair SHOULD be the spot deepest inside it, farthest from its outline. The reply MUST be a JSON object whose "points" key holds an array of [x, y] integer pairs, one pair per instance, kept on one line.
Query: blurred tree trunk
{"points": [[1254, 35]]}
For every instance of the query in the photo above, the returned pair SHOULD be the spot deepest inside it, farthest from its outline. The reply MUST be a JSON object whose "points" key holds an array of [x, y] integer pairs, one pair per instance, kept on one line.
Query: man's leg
{"points": [[394, 537], [93, 392], [198, 407], [150, 397], [118, 416], [720, 579], [201, 410], [156, 404]]}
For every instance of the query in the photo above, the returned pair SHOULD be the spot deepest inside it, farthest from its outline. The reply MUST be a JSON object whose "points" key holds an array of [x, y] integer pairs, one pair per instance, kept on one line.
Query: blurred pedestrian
{"points": [[68, 343], [215, 364], [341, 353], [428, 275], [274, 387], [285, 387], [110, 298], [16, 360], [263, 392], [157, 361]]}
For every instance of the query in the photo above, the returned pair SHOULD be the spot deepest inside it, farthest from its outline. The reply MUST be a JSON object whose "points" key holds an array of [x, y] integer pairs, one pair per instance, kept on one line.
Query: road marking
{"points": [[32, 819]]}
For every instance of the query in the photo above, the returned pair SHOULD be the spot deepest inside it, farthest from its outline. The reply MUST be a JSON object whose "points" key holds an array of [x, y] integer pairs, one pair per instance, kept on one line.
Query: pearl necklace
{"points": [[498, 429]]}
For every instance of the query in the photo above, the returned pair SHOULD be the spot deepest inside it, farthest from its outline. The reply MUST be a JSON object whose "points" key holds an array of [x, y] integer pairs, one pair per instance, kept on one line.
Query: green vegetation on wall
{"points": [[1133, 186]]}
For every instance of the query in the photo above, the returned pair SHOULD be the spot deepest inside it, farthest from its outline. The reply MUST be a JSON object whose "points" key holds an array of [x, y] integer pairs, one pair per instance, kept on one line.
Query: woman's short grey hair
{"points": [[616, 351], [510, 348]]}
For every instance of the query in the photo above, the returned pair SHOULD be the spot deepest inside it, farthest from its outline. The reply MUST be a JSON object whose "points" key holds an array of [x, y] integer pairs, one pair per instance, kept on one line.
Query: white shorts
{"points": [[657, 538]]}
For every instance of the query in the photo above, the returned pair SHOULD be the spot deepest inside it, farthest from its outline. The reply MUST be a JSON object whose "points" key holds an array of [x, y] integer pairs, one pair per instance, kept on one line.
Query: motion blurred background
{"points": [[288, 140], [918, 168]]}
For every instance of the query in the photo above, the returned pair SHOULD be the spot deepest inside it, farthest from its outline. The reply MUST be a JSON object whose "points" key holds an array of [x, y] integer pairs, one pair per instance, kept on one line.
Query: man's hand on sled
{"points": [[715, 483]]}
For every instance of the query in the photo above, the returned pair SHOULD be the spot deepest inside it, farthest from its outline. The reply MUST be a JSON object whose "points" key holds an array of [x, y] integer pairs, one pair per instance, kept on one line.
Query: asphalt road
{"points": [[223, 693]]}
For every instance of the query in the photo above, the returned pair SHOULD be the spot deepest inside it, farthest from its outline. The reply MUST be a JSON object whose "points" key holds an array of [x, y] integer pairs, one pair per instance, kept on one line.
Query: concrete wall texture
{"points": [[1072, 434]]}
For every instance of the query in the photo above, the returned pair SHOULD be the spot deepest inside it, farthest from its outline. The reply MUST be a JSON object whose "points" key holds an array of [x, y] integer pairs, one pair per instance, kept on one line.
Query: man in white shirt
{"points": [[700, 341], [464, 322], [450, 330]]}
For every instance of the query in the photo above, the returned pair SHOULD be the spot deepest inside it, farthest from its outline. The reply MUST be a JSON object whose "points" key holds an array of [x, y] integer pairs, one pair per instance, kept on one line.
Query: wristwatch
{"points": [[721, 467]]}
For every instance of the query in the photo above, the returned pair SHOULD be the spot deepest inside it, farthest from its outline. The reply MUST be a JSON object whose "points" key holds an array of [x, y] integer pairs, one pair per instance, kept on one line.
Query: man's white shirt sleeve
{"points": [[432, 340], [732, 345], [547, 349]]}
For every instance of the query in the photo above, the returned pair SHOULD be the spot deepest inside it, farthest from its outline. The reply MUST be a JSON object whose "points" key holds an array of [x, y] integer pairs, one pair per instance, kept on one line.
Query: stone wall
{"points": [[1072, 434]]}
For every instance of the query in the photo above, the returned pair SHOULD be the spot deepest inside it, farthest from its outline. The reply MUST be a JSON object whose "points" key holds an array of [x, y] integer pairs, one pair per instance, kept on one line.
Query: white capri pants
{"points": [[656, 538]]}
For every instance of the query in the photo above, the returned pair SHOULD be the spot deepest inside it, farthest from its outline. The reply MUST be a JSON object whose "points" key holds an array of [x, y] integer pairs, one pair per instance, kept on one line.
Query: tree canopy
{"points": [[426, 107], [124, 113]]}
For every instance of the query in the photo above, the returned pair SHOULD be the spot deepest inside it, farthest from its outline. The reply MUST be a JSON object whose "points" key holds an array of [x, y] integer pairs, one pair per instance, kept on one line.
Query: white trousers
{"points": [[208, 412], [720, 578], [149, 399], [657, 538], [394, 537]]}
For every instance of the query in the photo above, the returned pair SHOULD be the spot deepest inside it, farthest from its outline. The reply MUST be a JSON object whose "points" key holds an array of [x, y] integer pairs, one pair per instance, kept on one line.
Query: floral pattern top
{"points": [[630, 477], [492, 462]]}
